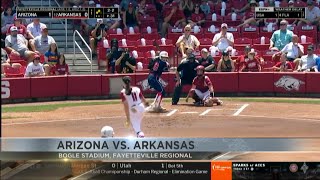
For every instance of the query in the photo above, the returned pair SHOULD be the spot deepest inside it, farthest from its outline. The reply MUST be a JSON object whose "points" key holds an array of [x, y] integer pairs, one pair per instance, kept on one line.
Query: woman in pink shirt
{"points": [[61, 68]]}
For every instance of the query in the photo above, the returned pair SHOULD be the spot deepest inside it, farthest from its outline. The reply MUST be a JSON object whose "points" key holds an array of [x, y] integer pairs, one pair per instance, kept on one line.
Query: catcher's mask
{"points": [[126, 80], [200, 71]]}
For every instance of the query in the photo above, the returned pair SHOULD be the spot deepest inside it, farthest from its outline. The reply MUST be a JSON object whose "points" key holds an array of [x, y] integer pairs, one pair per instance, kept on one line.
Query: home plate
{"points": [[190, 112]]}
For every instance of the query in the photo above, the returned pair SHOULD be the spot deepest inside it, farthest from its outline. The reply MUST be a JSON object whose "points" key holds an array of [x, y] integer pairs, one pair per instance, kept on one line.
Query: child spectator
{"points": [[51, 58], [283, 65], [7, 19], [34, 68], [61, 68], [251, 63], [226, 64], [197, 17]]}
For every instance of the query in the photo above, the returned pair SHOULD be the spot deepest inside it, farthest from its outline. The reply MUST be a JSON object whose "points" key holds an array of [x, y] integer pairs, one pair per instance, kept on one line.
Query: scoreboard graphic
{"points": [[279, 13], [68, 13]]}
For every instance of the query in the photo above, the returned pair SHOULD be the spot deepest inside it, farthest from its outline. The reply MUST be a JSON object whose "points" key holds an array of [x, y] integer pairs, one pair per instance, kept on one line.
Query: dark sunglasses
{"points": [[283, 24], [187, 30], [37, 59]]}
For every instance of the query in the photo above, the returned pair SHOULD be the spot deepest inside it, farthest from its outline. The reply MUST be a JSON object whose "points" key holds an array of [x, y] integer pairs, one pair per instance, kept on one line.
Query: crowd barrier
{"points": [[302, 84]]}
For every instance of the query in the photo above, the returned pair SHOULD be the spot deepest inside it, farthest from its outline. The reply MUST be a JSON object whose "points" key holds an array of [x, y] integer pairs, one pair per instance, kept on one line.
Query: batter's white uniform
{"points": [[134, 102]]}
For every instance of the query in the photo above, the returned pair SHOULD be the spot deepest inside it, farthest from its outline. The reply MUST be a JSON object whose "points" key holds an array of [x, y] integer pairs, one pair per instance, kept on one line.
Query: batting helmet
{"points": [[126, 79], [107, 131], [200, 70], [208, 102]]}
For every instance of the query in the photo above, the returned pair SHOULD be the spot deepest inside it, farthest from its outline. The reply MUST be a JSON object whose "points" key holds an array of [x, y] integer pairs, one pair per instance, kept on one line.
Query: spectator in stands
{"points": [[17, 44], [189, 53], [5, 62], [113, 54], [226, 64], [98, 34], [34, 68], [281, 37], [291, 22], [284, 65], [250, 64], [312, 15], [308, 62], [223, 40], [126, 63], [248, 18], [207, 61], [41, 43], [184, 76], [198, 17], [205, 8], [51, 58], [7, 19], [87, 25], [160, 4], [175, 18], [142, 8], [15, 4], [124, 4], [293, 50], [35, 29], [187, 6], [130, 17], [318, 63], [187, 40], [61, 68], [21, 29]]}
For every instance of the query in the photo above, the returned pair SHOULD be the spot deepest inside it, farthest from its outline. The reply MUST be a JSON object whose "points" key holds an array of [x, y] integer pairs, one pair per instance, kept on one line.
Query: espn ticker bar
{"points": [[277, 13], [68, 13]]}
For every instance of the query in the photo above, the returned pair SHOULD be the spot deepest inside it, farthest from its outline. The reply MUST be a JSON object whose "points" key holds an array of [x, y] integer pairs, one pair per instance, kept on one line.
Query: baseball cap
{"points": [[13, 28], [107, 131], [310, 47], [252, 51], [247, 48], [224, 25], [225, 53], [130, 4], [291, 2], [36, 57], [164, 54], [98, 20], [253, 2], [91, 2]]}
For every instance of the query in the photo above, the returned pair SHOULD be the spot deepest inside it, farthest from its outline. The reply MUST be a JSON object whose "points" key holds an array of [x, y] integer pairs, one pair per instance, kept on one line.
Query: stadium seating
{"points": [[11, 72], [251, 32]]}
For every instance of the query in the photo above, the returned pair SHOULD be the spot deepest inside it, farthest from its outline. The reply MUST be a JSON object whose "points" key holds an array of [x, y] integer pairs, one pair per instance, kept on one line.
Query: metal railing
{"points": [[74, 49]]}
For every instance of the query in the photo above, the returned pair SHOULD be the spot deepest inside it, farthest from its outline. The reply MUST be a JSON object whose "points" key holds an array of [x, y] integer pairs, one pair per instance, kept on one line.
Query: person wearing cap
{"points": [[312, 15], [248, 18], [21, 28], [107, 132], [244, 57], [226, 64], [125, 63], [41, 43], [174, 18], [251, 63], [157, 66], [34, 68], [187, 40], [97, 34], [223, 40], [130, 17], [17, 44], [280, 38], [207, 61], [308, 62], [185, 74], [124, 4]]}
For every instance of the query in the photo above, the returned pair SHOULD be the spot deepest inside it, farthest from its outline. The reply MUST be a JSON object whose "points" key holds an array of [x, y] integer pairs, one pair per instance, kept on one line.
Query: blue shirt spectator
{"points": [[318, 63], [281, 37]]}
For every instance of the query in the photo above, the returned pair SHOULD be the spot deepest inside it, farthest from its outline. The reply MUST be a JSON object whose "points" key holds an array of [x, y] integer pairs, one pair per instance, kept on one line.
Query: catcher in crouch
{"points": [[202, 90]]}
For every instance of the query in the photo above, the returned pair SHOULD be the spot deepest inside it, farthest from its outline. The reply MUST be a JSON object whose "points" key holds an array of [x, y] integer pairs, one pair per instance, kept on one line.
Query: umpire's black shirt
{"points": [[188, 71]]}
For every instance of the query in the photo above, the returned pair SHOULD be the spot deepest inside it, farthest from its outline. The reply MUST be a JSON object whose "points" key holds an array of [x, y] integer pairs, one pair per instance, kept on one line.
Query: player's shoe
{"points": [[198, 103], [150, 108], [159, 109], [219, 103], [140, 134]]}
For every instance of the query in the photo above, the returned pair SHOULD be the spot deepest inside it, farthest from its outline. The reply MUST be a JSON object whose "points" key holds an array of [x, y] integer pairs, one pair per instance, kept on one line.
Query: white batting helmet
{"points": [[107, 131]]}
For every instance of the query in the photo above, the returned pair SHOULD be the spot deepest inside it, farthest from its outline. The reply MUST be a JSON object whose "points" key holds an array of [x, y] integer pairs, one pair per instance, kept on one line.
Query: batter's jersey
{"points": [[158, 66], [202, 83], [134, 98]]}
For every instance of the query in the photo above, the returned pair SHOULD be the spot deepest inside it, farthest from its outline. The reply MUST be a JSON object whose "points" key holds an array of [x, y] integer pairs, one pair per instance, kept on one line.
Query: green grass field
{"points": [[51, 107]]}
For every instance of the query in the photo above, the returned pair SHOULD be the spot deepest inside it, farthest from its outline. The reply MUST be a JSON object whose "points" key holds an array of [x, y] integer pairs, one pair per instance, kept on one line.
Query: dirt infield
{"points": [[233, 119]]}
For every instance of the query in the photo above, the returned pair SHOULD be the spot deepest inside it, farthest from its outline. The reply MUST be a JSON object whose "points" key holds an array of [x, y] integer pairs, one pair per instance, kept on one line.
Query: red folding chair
{"points": [[11, 72], [235, 31], [216, 23], [267, 66], [112, 34], [251, 32], [261, 47], [131, 45], [149, 46], [267, 55], [264, 31], [205, 43], [230, 22], [309, 31]]}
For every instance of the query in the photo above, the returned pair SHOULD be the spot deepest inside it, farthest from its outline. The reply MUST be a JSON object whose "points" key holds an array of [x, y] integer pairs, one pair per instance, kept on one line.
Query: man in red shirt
{"points": [[202, 90], [250, 63], [21, 28], [175, 18]]}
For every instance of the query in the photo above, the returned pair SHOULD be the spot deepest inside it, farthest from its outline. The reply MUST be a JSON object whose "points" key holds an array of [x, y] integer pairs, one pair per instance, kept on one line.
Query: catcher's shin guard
{"points": [[194, 96]]}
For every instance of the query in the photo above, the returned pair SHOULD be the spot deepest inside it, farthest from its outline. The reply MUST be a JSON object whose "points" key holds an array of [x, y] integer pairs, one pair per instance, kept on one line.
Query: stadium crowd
{"points": [[222, 35]]}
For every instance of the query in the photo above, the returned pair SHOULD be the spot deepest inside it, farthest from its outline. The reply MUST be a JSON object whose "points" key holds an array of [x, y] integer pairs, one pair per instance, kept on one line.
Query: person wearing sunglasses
{"points": [[187, 40], [197, 17], [280, 38], [308, 62], [35, 68]]}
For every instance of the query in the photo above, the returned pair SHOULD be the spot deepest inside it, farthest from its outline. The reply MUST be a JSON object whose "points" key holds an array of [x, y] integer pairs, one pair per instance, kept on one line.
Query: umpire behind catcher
{"points": [[185, 74]]}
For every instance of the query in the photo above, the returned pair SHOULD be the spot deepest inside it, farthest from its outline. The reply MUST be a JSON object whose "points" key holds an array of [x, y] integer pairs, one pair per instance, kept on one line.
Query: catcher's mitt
{"points": [[208, 102]]}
